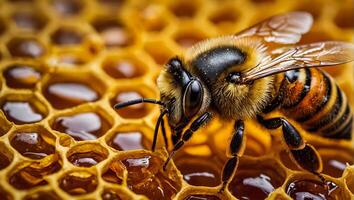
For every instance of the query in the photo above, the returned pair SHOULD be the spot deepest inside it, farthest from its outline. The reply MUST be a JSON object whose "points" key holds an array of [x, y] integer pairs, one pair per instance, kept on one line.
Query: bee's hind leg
{"points": [[235, 150], [304, 154]]}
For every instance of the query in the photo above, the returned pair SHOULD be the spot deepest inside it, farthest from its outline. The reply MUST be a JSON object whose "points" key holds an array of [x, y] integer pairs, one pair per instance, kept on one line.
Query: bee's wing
{"points": [[303, 56], [283, 29]]}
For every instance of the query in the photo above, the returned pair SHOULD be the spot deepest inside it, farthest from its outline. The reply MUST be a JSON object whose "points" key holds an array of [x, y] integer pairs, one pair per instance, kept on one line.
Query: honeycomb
{"points": [[65, 63]]}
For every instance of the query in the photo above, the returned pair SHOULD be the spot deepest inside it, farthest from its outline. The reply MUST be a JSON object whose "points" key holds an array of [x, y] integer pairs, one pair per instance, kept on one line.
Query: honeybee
{"points": [[250, 74]]}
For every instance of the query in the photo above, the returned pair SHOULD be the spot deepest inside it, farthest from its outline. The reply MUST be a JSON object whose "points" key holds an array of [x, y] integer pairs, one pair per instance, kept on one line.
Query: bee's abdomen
{"points": [[311, 97]]}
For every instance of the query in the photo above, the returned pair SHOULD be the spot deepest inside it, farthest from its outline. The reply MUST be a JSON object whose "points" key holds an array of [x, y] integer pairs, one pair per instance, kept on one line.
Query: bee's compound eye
{"points": [[193, 98]]}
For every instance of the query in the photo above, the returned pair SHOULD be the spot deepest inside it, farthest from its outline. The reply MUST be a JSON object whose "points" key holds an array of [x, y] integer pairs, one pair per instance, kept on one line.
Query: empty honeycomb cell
{"points": [[114, 194], [30, 20], [125, 66], [23, 109], [199, 170], [201, 197], [184, 8], [87, 155], [313, 189], [82, 126], [345, 17], [160, 51], [43, 195], [128, 140], [32, 174], [5, 195], [22, 76], [67, 36], [34, 142], [134, 111], [78, 182], [66, 90], [335, 161], [113, 32], [255, 179], [25, 47], [68, 7], [6, 156]]}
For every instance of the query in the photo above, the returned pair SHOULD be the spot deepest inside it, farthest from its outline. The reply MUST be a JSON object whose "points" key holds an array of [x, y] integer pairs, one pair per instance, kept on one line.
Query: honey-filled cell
{"points": [[22, 112], [68, 7], [201, 197], [25, 47], [22, 76], [124, 67], [30, 20], [128, 140], [87, 155], [43, 195], [78, 182], [6, 156], [67, 36]]}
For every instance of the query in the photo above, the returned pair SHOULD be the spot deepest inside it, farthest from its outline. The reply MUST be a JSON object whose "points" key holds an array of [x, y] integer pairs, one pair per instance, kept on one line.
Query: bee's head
{"points": [[184, 95]]}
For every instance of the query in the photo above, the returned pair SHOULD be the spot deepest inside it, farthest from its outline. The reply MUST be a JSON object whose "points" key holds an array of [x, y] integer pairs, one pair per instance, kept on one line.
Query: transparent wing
{"points": [[303, 56], [283, 29]]}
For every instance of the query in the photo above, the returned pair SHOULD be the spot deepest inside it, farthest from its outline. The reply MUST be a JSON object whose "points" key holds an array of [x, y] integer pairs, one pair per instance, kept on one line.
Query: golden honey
{"points": [[65, 63]]}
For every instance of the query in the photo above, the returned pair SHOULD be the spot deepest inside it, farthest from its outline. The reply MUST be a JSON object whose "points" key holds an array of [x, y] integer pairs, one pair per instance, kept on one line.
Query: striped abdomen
{"points": [[312, 97]]}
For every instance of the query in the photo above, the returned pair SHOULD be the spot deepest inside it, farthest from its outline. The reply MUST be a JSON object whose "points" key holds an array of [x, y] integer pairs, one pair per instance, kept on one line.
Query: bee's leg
{"points": [[235, 149], [196, 124], [305, 155], [163, 129], [176, 137]]}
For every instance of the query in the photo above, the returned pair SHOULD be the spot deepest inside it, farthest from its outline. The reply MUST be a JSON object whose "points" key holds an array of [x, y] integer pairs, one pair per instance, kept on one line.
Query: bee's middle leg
{"points": [[235, 149], [305, 155]]}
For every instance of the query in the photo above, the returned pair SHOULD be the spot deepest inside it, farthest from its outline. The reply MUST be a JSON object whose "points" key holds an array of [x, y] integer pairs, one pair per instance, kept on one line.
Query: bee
{"points": [[252, 73]]}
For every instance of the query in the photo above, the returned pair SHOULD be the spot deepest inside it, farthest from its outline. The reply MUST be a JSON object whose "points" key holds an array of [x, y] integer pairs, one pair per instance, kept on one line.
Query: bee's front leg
{"points": [[304, 154], [235, 150]]}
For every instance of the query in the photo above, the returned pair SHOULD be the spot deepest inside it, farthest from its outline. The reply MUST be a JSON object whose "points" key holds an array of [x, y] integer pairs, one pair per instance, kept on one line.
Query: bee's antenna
{"points": [[137, 101], [159, 120]]}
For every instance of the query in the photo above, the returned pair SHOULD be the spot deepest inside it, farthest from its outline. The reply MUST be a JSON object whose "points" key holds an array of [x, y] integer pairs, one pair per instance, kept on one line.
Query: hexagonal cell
{"points": [[5, 195], [187, 38], [84, 125], [114, 33], [6, 156], [30, 20], [199, 170], [184, 8], [87, 155], [22, 75], [310, 188], [69, 59], [129, 137], [145, 175], [33, 142], [43, 195], [78, 182], [68, 7], [225, 15], [134, 111], [153, 18], [344, 17], [114, 194], [69, 90], [67, 36], [32, 174], [23, 109], [201, 197], [25, 47], [159, 51], [335, 160], [124, 66], [256, 179]]}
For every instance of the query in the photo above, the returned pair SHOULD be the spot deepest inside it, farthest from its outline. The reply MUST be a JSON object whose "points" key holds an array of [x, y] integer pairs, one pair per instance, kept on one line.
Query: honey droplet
{"points": [[43, 195], [65, 36], [86, 159], [122, 69], [134, 111], [67, 7], [82, 126], [21, 76], [30, 21], [201, 197], [255, 182], [32, 145], [25, 47], [127, 141], [113, 33], [198, 170], [21, 112], [65, 95], [78, 184], [311, 189]]}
